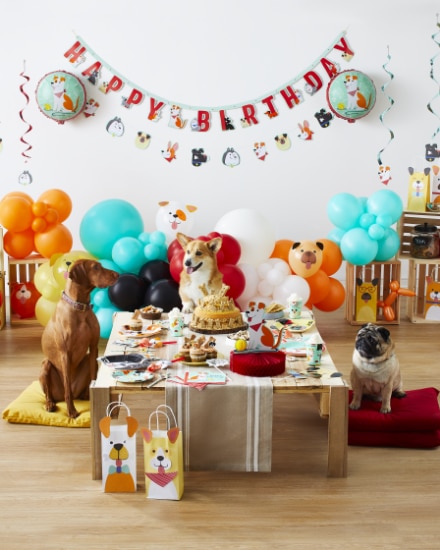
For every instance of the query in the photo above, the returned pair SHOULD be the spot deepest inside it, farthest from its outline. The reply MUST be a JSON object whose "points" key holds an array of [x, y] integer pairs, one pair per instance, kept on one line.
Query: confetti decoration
{"points": [[431, 74], [25, 153], [384, 172]]}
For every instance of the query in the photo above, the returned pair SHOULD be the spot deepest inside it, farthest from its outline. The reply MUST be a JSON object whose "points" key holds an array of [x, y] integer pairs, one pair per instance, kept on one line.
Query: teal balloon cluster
{"points": [[363, 226]]}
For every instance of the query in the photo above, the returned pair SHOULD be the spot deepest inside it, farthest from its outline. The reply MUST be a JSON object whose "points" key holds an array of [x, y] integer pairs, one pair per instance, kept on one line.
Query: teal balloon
{"points": [[376, 231], [128, 254], [385, 220], [388, 246], [158, 237], [366, 220], [384, 202], [344, 210], [144, 238], [357, 247], [152, 252], [107, 222], [110, 264], [336, 235], [100, 298], [105, 320]]}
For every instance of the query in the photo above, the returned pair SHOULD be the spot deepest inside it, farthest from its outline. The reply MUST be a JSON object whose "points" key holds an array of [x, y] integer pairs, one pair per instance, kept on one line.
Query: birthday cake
{"points": [[217, 314]]}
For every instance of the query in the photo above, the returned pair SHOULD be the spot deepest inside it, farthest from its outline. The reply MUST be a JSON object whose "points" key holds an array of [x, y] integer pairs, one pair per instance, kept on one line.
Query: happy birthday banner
{"points": [[290, 93]]}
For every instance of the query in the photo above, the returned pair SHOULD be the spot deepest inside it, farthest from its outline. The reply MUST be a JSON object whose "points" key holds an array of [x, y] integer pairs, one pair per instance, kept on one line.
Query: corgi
{"points": [[260, 336], [200, 273], [306, 132]]}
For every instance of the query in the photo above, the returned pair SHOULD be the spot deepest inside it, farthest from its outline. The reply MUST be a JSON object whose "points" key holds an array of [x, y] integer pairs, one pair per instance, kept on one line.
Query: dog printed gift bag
{"points": [[118, 444], [163, 457]]}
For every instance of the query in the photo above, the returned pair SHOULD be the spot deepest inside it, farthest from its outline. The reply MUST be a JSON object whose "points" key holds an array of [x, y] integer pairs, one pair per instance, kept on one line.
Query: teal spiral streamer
{"points": [[432, 75], [391, 103]]}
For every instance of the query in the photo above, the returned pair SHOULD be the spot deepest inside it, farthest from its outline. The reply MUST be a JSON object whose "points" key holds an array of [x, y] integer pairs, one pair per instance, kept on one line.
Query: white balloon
{"points": [[263, 269], [292, 284], [173, 217], [253, 232], [265, 288], [275, 277], [251, 278]]}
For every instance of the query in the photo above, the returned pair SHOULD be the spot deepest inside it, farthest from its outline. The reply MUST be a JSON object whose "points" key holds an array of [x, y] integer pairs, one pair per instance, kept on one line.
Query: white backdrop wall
{"points": [[205, 53]]}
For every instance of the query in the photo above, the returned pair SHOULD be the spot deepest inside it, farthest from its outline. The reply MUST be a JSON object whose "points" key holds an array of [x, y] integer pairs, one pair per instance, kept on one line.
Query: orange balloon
{"points": [[19, 245], [281, 249], [52, 216], [59, 201], [332, 257], [39, 209], [335, 296], [39, 225], [21, 195], [319, 284], [56, 240], [15, 213]]}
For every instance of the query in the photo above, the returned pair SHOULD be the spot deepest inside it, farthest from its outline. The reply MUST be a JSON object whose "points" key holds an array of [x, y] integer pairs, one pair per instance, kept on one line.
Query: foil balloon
{"points": [[60, 96], [351, 95]]}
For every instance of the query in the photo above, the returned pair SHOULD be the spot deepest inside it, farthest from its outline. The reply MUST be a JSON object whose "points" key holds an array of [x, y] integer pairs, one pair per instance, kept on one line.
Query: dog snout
{"points": [[118, 446]]}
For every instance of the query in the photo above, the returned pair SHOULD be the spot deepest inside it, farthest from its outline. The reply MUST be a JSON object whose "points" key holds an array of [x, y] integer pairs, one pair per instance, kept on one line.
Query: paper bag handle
{"points": [[114, 405], [158, 412]]}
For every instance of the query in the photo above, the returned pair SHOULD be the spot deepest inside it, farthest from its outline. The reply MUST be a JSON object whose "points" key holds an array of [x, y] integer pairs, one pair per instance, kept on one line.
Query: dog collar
{"points": [[80, 306]]}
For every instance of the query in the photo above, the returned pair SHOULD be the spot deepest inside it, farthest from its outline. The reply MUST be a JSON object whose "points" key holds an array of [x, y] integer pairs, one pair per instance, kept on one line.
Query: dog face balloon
{"points": [[305, 257]]}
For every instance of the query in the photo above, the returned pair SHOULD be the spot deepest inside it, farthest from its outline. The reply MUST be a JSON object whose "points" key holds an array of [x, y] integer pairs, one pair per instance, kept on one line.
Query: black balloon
{"points": [[155, 270], [128, 292], [164, 294]]}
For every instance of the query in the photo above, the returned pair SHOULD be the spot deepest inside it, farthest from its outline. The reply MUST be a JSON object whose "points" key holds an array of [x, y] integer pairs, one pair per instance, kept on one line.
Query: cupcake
{"points": [[198, 355], [135, 325]]}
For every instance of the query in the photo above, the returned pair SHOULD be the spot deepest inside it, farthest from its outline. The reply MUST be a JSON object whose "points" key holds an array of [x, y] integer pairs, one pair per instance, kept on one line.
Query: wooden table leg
{"points": [[338, 432], [99, 399]]}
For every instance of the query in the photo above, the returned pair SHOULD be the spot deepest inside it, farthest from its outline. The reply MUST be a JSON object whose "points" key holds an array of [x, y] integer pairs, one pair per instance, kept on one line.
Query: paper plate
{"points": [[132, 376], [146, 332]]}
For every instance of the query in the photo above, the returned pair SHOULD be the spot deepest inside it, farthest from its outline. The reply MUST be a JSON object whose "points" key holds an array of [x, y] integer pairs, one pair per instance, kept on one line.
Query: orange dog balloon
{"points": [[386, 304]]}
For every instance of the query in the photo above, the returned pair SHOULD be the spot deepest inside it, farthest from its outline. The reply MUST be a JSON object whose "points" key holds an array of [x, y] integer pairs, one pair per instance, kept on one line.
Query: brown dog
{"points": [[376, 371], [70, 338], [200, 274]]}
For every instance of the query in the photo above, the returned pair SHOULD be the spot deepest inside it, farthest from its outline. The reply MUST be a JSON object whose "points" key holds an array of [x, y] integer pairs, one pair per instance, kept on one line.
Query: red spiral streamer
{"points": [[25, 153]]}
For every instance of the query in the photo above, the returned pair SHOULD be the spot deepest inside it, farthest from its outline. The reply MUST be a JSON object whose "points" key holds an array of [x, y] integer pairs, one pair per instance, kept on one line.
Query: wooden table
{"points": [[331, 394]]}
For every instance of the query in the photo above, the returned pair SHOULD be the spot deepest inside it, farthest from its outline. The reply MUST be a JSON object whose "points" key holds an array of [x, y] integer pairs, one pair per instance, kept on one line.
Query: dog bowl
{"points": [[151, 312]]}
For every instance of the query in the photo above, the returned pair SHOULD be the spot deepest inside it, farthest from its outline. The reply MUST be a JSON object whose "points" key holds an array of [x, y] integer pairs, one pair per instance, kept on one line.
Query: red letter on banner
{"points": [[269, 102], [249, 114], [344, 48], [154, 109], [330, 67], [203, 118], [290, 97], [134, 98], [114, 85], [314, 80], [75, 51], [92, 69]]}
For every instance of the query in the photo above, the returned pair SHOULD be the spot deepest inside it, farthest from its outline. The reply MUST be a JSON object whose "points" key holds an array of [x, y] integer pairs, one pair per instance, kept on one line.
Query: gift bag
{"points": [[163, 456], [118, 449]]}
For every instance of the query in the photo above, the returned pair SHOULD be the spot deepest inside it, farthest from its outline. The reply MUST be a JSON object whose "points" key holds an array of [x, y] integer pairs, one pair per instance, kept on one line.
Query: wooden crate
{"points": [[22, 271], [418, 270], [406, 224], [385, 272]]}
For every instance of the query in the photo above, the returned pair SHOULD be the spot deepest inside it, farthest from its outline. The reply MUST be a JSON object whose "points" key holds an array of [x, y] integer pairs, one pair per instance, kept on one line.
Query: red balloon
{"points": [[173, 247], [176, 266], [335, 296], [24, 296], [233, 277], [230, 248]]}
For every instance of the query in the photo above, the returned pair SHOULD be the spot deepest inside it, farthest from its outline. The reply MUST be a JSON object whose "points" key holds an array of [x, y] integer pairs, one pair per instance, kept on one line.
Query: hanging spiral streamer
{"points": [[25, 153], [382, 115], [431, 74]]}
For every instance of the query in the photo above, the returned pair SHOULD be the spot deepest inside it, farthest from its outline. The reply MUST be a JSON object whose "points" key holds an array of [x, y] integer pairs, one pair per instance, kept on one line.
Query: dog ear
{"points": [[132, 426], [384, 332], [375, 281], [78, 272], [359, 281], [215, 244], [147, 434], [320, 245], [183, 239], [295, 245], [173, 434], [104, 426]]}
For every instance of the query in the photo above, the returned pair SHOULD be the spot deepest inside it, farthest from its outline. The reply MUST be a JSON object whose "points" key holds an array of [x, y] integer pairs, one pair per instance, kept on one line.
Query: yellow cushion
{"points": [[29, 408]]}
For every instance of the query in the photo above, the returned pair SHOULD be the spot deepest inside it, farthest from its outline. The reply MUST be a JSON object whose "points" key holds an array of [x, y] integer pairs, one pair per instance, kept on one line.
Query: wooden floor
{"points": [[390, 499]]}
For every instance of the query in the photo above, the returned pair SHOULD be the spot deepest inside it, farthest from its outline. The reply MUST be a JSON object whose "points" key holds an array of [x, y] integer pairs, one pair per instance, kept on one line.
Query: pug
{"points": [[376, 371]]}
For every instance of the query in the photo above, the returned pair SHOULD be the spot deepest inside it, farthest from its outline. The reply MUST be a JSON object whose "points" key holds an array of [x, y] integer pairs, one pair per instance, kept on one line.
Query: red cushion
{"points": [[260, 364], [414, 422], [418, 411]]}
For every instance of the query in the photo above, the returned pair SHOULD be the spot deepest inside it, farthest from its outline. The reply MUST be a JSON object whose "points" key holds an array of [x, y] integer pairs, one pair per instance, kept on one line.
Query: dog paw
{"points": [[399, 394], [73, 414], [51, 406], [354, 406], [385, 410]]}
